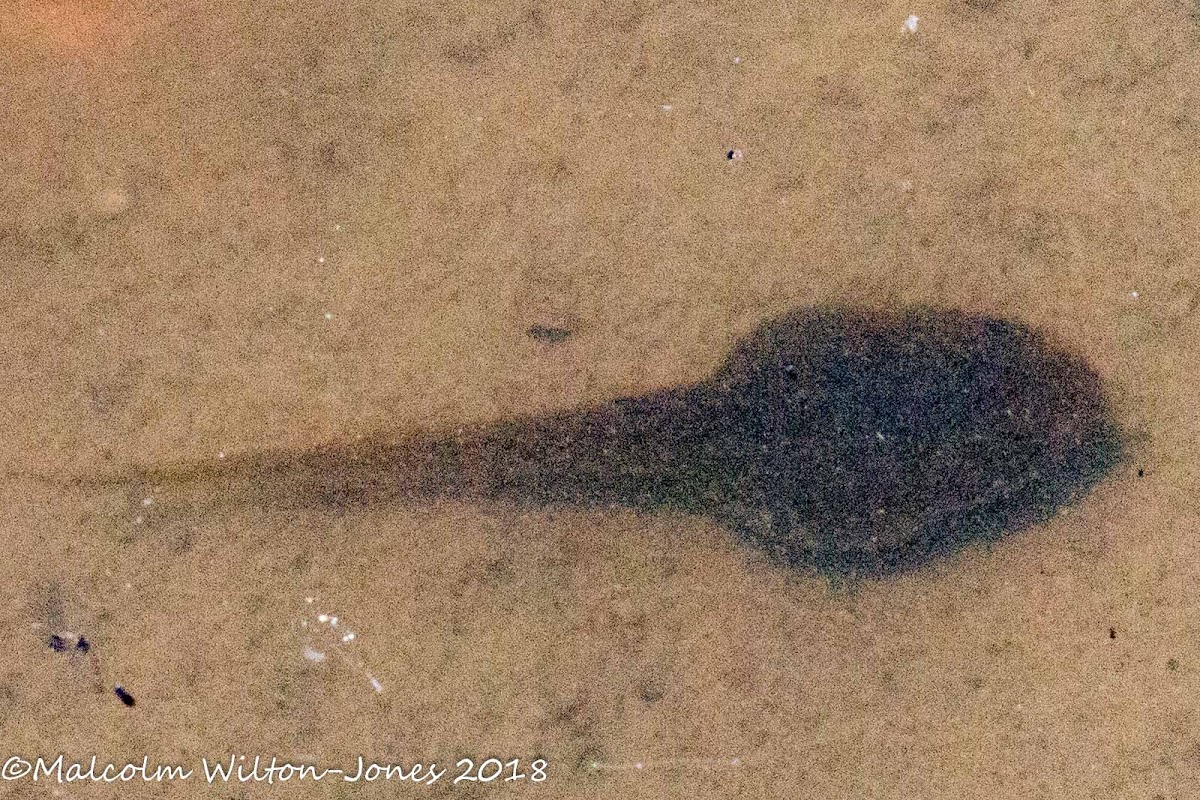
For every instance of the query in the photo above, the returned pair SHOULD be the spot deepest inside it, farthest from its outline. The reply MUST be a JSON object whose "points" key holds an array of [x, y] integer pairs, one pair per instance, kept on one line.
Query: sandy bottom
{"points": [[235, 226]]}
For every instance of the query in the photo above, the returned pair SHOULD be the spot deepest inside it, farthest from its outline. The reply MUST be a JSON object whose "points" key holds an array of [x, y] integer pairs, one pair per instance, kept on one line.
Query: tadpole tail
{"points": [[646, 451], [640, 452]]}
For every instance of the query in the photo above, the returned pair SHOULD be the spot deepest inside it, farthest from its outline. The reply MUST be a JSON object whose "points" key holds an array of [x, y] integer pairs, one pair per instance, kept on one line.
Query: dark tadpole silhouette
{"points": [[857, 442]]}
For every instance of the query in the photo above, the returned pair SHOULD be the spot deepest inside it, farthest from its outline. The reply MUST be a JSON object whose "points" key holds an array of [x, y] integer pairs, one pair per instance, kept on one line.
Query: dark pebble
{"points": [[548, 334], [124, 696]]}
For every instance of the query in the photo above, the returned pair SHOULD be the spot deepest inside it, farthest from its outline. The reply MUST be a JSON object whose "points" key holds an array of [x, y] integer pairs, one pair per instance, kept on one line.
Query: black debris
{"points": [[549, 334]]}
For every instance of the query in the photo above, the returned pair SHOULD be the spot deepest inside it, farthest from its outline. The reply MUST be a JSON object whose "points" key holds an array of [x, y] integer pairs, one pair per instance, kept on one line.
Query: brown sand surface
{"points": [[234, 226]]}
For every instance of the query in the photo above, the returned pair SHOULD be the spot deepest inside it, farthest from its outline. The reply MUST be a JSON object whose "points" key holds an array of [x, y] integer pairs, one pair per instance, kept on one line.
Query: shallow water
{"points": [[237, 229]]}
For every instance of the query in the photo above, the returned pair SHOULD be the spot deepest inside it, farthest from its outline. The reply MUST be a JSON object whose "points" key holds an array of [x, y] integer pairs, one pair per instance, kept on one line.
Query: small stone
{"points": [[549, 334]]}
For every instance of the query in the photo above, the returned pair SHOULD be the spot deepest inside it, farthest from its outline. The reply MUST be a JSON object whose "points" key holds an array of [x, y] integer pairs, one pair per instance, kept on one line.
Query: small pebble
{"points": [[549, 334], [124, 696]]}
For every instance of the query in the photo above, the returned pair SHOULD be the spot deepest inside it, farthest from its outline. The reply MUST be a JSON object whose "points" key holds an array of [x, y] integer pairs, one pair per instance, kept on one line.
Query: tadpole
{"points": [[855, 441]]}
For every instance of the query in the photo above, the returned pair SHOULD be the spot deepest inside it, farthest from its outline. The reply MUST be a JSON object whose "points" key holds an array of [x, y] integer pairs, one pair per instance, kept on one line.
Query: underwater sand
{"points": [[233, 227]]}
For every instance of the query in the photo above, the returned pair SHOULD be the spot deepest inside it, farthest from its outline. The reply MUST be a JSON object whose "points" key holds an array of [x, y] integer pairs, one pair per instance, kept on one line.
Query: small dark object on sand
{"points": [[124, 696], [549, 334]]}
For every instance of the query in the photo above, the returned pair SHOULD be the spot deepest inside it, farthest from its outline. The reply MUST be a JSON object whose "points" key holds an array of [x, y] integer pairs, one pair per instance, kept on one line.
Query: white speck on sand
{"points": [[338, 647], [910, 24]]}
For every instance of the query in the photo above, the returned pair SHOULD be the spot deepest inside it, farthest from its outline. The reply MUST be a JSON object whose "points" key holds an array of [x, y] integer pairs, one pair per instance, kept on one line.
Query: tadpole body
{"points": [[856, 441]]}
